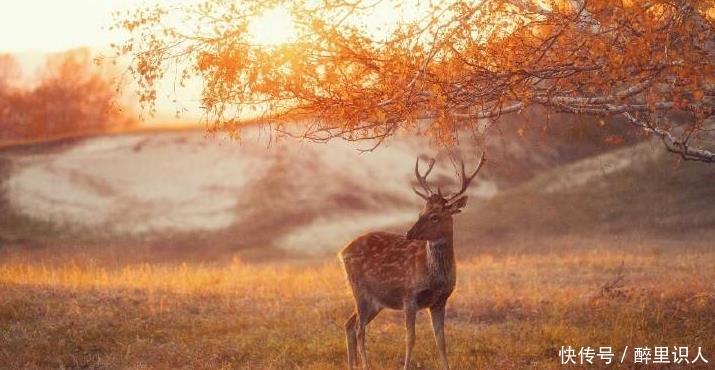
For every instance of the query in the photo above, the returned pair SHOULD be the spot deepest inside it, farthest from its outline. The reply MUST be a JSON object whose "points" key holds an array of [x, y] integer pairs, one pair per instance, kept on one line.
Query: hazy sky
{"points": [[54, 25]]}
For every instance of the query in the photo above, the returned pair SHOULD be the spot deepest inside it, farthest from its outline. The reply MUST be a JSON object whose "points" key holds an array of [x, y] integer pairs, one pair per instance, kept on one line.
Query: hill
{"points": [[636, 195], [183, 195]]}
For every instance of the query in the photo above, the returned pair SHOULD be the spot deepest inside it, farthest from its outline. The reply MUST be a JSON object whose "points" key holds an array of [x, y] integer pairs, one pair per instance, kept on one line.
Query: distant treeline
{"points": [[70, 94]]}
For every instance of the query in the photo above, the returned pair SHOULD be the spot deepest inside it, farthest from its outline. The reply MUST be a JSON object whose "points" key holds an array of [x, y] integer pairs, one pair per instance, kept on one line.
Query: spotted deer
{"points": [[406, 272]]}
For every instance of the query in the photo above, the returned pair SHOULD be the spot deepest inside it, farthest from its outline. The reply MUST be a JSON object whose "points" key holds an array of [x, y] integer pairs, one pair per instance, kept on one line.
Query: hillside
{"points": [[639, 194], [187, 195], [183, 195]]}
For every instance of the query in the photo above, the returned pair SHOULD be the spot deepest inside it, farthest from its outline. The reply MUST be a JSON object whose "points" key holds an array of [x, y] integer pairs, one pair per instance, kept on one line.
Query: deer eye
{"points": [[434, 217]]}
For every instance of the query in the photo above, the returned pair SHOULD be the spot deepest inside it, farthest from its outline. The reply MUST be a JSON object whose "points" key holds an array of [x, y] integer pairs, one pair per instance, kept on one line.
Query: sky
{"points": [[56, 25]]}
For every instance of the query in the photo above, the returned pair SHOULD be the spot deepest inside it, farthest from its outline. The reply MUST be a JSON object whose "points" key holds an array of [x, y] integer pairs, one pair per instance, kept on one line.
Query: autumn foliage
{"points": [[454, 69], [71, 95]]}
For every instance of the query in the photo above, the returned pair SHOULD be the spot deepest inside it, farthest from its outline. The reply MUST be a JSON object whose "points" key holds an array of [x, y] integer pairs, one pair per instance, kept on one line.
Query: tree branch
{"points": [[673, 144]]}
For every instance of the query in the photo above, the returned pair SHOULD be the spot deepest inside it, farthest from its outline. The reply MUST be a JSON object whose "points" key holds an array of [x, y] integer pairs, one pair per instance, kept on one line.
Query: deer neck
{"points": [[440, 256]]}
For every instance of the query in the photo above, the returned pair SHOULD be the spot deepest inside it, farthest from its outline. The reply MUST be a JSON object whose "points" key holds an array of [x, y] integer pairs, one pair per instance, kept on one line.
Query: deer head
{"points": [[435, 219]]}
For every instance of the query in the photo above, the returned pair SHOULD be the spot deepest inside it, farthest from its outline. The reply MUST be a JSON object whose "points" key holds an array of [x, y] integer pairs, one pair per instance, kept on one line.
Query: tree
{"points": [[12, 98], [10, 71], [461, 66], [76, 95], [72, 96]]}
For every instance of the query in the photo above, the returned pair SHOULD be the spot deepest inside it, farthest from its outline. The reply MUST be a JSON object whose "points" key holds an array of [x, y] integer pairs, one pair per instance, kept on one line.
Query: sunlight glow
{"points": [[272, 28]]}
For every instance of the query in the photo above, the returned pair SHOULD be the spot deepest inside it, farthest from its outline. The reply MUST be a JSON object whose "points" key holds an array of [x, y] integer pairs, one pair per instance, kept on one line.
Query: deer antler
{"points": [[422, 180], [468, 179]]}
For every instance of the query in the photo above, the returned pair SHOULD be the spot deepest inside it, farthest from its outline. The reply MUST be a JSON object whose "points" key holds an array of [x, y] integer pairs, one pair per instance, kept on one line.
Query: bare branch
{"points": [[673, 144]]}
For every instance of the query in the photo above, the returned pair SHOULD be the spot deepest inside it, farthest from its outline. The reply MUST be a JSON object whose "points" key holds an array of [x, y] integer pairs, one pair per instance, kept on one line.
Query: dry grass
{"points": [[509, 311]]}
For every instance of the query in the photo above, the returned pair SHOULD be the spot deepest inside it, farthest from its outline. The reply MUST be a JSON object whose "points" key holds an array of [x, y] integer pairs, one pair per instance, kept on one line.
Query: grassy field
{"points": [[509, 310]]}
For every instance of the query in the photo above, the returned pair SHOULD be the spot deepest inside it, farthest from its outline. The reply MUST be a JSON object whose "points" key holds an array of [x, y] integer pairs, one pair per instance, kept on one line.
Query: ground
{"points": [[508, 311]]}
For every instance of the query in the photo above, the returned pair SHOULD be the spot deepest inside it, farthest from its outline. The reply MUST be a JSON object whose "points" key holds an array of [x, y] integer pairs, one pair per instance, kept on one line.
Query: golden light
{"points": [[273, 27]]}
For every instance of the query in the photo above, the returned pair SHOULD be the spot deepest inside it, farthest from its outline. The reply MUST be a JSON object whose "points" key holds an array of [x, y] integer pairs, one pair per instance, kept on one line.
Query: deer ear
{"points": [[457, 205]]}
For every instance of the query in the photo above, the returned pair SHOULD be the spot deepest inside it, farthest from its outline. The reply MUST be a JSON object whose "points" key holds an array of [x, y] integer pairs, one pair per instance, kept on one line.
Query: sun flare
{"points": [[273, 27]]}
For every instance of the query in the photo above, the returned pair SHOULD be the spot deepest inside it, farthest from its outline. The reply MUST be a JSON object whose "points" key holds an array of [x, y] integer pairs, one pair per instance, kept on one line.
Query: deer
{"points": [[407, 272]]}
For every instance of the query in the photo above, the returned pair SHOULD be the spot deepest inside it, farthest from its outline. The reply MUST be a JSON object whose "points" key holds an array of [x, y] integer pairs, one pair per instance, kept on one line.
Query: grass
{"points": [[509, 311]]}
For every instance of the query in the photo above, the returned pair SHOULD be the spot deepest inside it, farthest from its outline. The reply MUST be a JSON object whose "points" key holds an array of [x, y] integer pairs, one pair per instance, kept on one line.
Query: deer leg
{"points": [[437, 315], [366, 312], [350, 335], [410, 316]]}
